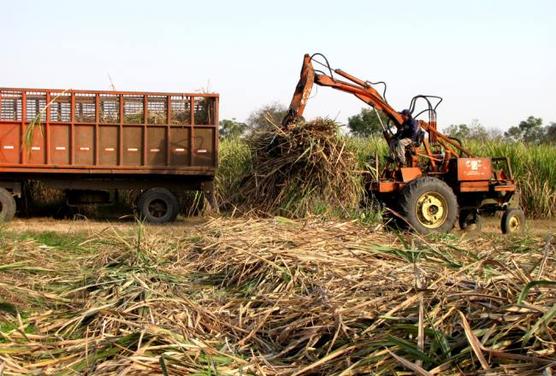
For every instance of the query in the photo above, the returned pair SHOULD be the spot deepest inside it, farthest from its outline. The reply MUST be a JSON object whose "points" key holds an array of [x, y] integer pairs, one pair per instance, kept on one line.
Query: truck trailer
{"points": [[93, 143]]}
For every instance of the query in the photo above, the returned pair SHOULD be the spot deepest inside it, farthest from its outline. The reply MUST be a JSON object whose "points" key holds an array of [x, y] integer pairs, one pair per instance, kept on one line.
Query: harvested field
{"points": [[273, 296]]}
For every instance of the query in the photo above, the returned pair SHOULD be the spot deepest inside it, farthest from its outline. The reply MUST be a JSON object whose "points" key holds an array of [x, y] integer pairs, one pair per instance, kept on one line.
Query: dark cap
{"points": [[406, 113]]}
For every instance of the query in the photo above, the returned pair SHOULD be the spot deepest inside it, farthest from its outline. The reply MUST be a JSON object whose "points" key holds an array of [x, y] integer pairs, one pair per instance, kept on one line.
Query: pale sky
{"points": [[494, 61]]}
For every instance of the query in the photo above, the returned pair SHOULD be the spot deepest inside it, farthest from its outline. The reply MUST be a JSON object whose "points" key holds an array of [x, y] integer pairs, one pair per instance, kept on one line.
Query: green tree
{"points": [[474, 131], [267, 116], [530, 131], [366, 123], [459, 131], [514, 133], [478, 131], [232, 128], [550, 131]]}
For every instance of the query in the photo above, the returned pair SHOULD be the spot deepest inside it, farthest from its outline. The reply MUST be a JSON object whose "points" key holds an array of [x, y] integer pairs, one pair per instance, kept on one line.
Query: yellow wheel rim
{"points": [[514, 224], [432, 210]]}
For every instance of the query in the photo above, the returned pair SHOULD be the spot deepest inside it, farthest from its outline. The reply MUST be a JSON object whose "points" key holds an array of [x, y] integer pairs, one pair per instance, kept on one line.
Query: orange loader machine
{"points": [[441, 182]]}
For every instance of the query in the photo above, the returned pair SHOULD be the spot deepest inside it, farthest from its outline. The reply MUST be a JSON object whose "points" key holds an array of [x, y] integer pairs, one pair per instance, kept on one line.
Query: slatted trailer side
{"points": [[84, 140]]}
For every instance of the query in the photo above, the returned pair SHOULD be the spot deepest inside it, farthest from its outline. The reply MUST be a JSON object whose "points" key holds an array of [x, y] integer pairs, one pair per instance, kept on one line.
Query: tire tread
{"points": [[162, 193], [8, 205], [409, 200]]}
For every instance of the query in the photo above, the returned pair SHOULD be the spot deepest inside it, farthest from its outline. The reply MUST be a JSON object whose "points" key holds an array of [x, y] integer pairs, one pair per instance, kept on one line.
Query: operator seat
{"points": [[411, 149]]}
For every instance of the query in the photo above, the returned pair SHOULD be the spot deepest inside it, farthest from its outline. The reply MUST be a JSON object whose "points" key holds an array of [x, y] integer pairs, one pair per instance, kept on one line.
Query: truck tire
{"points": [[429, 205], [513, 221], [158, 205], [7, 205]]}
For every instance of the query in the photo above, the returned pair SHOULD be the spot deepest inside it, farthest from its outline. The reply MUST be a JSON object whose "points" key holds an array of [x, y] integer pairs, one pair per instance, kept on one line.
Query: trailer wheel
{"points": [[7, 205], [429, 205], [158, 205], [470, 220], [513, 221]]}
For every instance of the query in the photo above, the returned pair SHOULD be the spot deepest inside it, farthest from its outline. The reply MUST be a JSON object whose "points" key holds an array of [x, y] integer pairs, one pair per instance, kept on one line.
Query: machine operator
{"points": [[406, 135]]}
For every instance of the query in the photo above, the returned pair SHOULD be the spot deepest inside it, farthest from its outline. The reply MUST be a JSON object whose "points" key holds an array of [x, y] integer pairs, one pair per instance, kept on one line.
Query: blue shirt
{"points": [[410, 129]]}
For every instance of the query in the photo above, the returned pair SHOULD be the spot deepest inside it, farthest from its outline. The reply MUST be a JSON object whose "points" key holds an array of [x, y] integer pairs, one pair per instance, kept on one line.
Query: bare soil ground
{"points": [[537, 227]]}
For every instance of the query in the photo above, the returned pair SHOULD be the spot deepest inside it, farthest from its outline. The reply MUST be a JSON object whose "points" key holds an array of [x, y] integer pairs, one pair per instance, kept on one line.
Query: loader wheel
{"points": [[158, 205], [7, 205], [513, 221], [429, 205], [470, 220]]}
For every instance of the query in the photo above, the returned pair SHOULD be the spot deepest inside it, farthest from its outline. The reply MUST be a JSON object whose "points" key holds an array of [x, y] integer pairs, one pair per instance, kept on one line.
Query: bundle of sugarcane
{"points": [[303, 170]]}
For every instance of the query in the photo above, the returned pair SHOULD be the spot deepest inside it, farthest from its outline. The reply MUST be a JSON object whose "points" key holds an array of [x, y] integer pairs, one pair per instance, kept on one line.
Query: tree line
{"points": [[367, 123]]}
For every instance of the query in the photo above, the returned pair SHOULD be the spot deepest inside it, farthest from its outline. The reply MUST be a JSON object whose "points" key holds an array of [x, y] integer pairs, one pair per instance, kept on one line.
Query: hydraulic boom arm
{"points": [[362, 90], [357, 87]]}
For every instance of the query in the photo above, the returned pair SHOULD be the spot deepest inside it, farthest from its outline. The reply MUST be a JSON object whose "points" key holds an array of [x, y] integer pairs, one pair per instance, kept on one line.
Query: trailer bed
{"points": [[107, 132]]}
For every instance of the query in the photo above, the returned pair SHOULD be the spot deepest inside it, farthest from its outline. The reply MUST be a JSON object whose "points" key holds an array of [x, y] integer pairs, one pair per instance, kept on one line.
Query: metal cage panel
{"points": [[64, 131]]}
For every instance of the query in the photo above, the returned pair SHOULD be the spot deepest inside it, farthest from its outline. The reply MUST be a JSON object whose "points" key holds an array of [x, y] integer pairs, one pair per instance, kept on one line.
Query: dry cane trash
{"points": [[275, 297]]}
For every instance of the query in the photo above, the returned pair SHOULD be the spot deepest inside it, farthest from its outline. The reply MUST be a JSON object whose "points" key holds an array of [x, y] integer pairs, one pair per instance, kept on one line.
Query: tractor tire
{"points": [[513, 221], [158, 205], [429, 205], [7, 205], [470, 220]]}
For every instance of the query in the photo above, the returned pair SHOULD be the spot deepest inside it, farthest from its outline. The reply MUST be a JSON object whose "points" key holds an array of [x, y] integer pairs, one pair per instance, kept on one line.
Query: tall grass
{"points": [[234, 163], [534, 167], [365, 149]]}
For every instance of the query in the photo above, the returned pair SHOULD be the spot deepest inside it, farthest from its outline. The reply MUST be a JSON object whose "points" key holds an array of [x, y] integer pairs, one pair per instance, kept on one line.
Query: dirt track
{"points": [[538, 228]]}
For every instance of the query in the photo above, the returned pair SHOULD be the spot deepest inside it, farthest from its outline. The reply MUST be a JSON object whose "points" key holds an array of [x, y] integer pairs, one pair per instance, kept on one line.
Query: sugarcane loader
{"points": [[441, 181]]}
